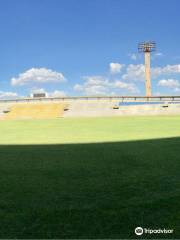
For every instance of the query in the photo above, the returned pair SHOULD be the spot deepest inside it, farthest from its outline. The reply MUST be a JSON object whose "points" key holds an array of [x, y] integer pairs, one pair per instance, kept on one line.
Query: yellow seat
{"points": [[36, 111]]}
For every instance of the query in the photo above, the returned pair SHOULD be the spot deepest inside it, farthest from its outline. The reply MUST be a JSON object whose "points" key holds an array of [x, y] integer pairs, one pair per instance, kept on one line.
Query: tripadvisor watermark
{"points": [[140, 231]]}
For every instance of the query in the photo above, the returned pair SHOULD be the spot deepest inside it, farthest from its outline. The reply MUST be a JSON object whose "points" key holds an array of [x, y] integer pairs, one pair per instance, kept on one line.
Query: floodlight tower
{"points": [[147, 48]]}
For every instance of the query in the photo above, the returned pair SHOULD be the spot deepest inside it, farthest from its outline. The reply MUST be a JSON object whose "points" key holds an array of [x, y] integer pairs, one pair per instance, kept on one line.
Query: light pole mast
{"points": [[147, 48]]}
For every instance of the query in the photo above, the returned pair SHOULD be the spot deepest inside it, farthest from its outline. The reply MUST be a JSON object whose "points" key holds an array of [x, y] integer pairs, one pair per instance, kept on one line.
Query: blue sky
{"points": [[67, 46]]}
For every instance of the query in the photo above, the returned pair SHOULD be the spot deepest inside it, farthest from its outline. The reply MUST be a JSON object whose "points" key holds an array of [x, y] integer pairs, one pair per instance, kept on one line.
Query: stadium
{"points": [[97, 106], [69, 162], [90, 153]]}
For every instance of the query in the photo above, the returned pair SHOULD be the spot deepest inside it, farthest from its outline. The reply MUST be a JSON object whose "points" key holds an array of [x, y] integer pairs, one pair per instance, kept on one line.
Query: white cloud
{"points": [[158, 54], [177, 90], [115, 67], [57, 93], [95, 90], [37, 75], [169, 69], [96, 80], [158, 94], [131, 87], [93, 85], [38, 90], [133, 56], [170, 83], [78, 87], [8, 95], [134, 72], [97, 85]]}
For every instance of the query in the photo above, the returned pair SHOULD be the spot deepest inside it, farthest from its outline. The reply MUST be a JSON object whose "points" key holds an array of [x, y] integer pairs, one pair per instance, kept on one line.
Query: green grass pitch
{"points": [[89, 177]]}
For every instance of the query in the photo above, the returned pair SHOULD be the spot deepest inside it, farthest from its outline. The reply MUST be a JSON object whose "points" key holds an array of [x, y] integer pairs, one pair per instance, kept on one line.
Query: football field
{"points": [[89, 177]]}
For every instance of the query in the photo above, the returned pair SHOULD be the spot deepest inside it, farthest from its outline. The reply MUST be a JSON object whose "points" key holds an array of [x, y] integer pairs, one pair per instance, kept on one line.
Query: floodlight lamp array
{"points": [[147, 46]]}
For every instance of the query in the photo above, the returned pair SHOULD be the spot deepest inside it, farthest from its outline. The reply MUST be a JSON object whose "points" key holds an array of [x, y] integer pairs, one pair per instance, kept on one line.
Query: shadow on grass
{"points": [[101, 190]]}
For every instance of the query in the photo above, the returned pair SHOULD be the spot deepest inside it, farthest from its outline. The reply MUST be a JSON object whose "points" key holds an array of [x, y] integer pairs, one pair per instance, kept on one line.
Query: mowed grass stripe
{"points": [[90, 190], [81, 130]]}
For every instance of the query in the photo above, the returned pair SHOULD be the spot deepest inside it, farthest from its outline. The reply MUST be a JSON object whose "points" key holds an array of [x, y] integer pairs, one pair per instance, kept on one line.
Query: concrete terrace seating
{"points": [[35, 111], [99, 108], [3, 109]]}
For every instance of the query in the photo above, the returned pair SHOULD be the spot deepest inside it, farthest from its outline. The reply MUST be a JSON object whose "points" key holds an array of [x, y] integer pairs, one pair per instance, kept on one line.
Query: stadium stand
{"points": [[4, 108], [146, 103], [1, 113], [56, 108], [95, 108], [90, 108], [35, 111]]}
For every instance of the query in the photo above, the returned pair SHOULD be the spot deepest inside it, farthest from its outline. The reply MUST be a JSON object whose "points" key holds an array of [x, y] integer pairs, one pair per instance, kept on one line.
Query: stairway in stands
{"points": [[35, 111]]}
